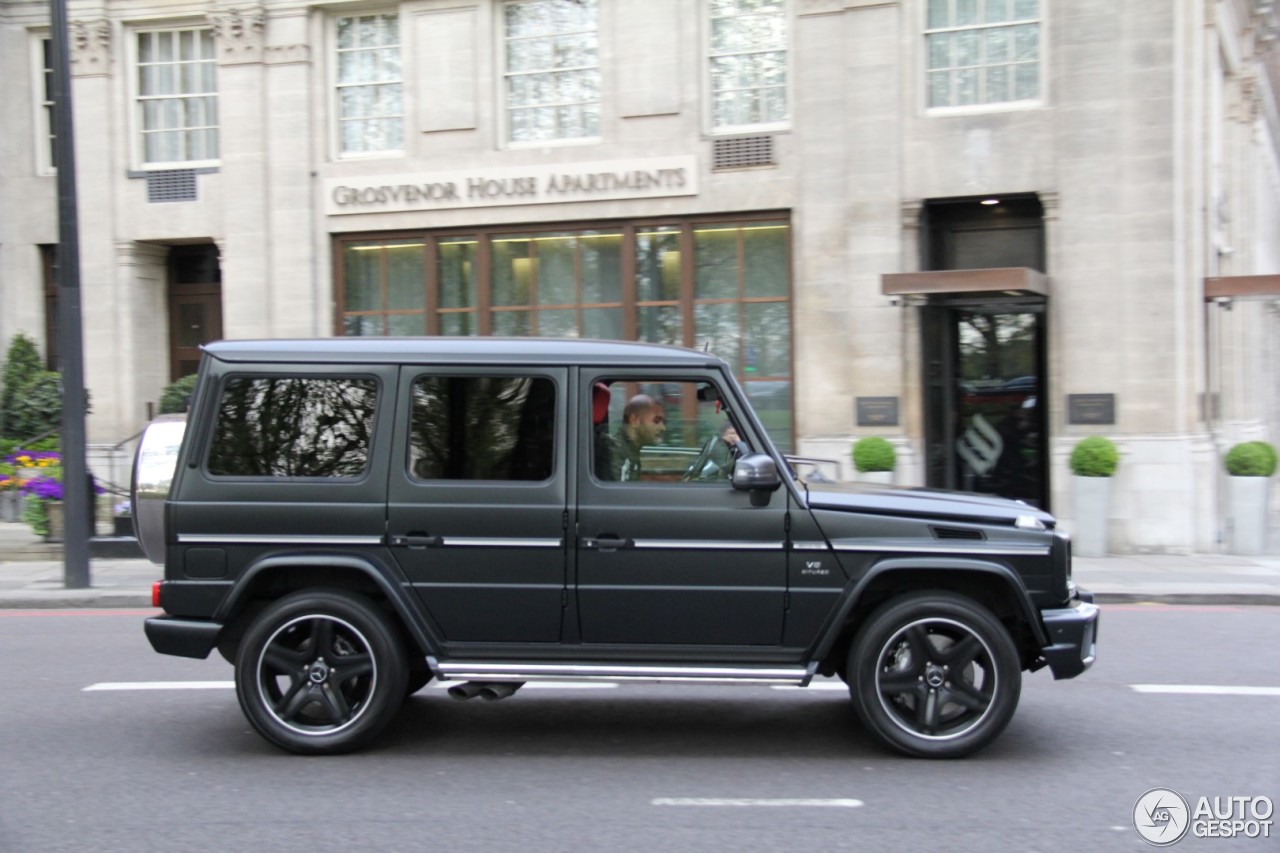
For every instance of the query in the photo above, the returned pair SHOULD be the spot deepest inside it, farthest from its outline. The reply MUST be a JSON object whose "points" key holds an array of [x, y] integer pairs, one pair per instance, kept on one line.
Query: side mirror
{"points": [[756, 473]]}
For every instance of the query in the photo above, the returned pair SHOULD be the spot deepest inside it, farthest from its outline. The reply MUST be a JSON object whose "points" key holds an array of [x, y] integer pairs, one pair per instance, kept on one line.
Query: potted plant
{"points": [[10, 503], [1093, 461], [874, 459], [1250, 465], [122, 519]]}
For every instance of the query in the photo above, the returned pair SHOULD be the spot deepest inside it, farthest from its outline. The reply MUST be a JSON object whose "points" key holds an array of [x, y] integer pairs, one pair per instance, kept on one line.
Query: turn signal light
{"points": [[155, 593]]}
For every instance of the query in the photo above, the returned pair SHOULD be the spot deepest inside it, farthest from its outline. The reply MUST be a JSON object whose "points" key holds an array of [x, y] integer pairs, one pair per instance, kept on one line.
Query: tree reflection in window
{"points": [[482, 428], [294, 427]]}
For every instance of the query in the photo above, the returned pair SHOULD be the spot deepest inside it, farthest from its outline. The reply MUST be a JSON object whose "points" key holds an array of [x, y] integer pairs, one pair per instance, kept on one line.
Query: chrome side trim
{"points": [[480, 671], [490, 542], [808, 546], [274, 539], [707, 545], [953, 550]]}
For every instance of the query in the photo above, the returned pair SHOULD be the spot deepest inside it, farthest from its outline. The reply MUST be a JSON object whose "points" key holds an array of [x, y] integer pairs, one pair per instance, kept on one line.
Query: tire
{"points": [[321, 672], [934, 675]]}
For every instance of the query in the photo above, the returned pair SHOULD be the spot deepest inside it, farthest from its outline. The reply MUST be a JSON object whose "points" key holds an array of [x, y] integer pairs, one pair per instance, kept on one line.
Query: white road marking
{"points": [[541, 685], [162, 685], [1207, 689], [744, 802]]}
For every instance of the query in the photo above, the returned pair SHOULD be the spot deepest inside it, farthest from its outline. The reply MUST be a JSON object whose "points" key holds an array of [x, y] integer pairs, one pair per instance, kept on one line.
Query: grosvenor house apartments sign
{"points": [[600, 181]]}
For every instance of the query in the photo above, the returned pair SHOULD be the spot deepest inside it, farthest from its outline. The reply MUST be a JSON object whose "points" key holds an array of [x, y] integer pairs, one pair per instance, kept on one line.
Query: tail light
{"points": [[155, 593]]}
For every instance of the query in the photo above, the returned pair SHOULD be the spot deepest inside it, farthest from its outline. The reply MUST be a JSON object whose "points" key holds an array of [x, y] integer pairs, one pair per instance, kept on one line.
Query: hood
{"points": [[922, 503]]}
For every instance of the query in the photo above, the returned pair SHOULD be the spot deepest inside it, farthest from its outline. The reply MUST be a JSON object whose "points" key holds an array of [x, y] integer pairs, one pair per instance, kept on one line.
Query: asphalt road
{"points": [[633, 767]]}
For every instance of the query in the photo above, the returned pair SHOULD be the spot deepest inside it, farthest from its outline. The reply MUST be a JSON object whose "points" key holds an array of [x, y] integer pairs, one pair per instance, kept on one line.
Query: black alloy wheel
{"points": [[934, 674], [321, 672]]}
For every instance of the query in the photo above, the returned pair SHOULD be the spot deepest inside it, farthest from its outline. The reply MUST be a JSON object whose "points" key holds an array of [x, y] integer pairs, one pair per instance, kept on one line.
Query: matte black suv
{"points": [[348, 519]]}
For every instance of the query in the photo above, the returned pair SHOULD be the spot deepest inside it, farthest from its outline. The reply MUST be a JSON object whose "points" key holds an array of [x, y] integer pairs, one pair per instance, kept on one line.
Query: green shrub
{"points": [[22, 364], [1094, 456], [873, 454], [40, 409], [1251, 459], [176, 397]]}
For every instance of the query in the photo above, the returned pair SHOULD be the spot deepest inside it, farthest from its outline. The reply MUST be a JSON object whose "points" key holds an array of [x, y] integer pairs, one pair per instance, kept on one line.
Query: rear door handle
{"points": [[608, 543]]}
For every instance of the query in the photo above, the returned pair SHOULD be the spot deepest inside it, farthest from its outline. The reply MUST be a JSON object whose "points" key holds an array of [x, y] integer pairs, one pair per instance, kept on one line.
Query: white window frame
{"points": [[335, 86], [1042, 65], [137, 124], [708, 84], [504, 109], [42, 104]]}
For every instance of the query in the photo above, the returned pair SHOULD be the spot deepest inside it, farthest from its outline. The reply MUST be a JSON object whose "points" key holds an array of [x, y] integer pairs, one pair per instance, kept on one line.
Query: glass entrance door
{"points": [[985, 426]]}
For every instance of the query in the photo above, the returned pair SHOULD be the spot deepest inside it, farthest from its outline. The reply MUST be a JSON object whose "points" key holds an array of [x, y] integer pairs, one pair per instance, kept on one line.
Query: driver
{"points": [[644, 422]]}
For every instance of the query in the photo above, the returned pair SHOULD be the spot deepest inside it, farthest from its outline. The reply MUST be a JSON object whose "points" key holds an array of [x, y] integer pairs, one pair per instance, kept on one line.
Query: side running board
{"points": [[498, 671]]}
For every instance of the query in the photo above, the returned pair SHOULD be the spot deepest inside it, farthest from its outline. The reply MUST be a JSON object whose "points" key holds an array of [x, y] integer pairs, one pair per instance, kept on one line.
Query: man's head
{"points": [[644, 421]]}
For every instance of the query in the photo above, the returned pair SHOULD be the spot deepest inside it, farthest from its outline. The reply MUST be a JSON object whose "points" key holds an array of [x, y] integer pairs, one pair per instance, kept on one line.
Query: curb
{"points": [[1261, 599]]}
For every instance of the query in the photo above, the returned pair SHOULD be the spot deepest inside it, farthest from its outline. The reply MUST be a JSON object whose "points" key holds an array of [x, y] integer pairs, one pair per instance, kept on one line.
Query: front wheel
{"points": [[320, 672], [934, 675]]}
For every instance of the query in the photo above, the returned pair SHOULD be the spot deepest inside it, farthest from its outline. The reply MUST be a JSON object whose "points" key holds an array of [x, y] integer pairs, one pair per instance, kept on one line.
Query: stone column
{"points": [[246, 287], [96, 188], [297, 296]]}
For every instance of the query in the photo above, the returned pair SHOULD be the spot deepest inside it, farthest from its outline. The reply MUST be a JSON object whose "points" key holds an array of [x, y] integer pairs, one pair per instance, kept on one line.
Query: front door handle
{"points": [[415, 540]]}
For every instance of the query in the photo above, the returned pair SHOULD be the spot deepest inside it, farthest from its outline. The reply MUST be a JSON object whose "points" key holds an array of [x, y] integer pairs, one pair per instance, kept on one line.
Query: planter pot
{"points": [[10, 505], [57, 526], [885, 477], [1248, 508], [1093, 516], [122, 525]]}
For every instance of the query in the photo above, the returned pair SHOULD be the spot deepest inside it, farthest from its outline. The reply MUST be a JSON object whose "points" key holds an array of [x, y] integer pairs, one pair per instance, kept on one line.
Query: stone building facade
{"points": [[983, 229]]}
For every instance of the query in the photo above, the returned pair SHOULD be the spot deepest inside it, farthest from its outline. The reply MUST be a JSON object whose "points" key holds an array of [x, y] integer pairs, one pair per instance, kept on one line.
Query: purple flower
{"points": [[44, 488]]}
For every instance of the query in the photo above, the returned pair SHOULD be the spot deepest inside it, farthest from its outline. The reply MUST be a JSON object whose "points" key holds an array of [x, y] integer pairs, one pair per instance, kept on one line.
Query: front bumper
{"points": [[1073, 637], [187, 638]]}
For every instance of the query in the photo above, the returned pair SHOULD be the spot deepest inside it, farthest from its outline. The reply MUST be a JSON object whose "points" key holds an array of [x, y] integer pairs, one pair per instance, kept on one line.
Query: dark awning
{"points": [[1014, 281], [1242, 287]]}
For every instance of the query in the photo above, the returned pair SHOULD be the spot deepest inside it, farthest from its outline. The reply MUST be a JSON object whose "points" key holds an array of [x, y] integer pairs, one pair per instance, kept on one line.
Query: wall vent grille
{"points": [[171, 185], [740, 152]]}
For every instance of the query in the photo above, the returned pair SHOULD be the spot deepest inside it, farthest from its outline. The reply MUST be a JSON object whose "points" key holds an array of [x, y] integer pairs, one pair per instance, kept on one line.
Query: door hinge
{"points": [[786, 601]]}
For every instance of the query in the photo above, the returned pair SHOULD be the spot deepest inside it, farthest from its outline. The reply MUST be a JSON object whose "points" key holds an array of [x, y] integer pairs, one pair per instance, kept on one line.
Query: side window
{"points": [[663, 432], [482, 428], [296, 426]]}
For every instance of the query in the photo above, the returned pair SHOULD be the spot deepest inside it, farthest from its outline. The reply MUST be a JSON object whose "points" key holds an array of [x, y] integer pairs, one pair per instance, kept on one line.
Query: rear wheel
{"points": [[321, 672], [934, 674]]}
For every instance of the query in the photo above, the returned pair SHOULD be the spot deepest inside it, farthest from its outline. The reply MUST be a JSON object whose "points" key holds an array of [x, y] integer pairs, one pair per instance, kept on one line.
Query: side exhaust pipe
{"points": [[490, 690], [466, 690], [500, 690]]}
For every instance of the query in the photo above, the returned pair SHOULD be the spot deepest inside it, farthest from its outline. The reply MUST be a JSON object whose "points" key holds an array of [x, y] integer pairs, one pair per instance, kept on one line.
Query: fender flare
{"points": [[1007, 576], [382, 575]]}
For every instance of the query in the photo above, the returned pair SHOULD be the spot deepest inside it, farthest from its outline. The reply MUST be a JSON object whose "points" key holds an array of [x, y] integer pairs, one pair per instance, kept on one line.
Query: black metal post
{"points": [[76, 494]]}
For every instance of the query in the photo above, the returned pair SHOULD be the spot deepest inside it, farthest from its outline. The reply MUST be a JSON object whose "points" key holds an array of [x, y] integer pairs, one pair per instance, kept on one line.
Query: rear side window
{"points": [[482, 428], [297, 426]]}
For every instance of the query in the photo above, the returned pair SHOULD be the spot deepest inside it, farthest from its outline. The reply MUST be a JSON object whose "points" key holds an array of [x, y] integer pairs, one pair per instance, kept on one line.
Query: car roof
{"points": [[461, 351]]}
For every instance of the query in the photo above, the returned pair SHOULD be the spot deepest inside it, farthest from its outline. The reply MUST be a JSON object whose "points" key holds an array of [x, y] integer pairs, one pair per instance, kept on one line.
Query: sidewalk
{"points": [[35, 578]]}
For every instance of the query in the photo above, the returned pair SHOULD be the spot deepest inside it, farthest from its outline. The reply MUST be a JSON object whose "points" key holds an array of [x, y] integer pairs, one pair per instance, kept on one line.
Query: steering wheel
{"points": [[707, 466]]}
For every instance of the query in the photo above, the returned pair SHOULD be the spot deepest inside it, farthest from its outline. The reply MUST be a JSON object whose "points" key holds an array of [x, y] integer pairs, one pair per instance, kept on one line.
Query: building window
{"points": [[383, 284], [747, 58], [46, 141], [177, 96], [982, 52], [370, 87], [552, 71], [720, 284]]}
